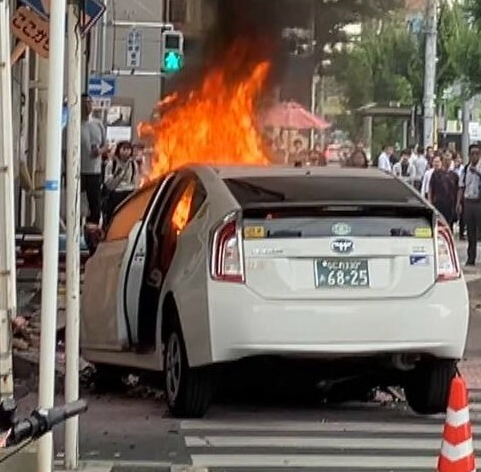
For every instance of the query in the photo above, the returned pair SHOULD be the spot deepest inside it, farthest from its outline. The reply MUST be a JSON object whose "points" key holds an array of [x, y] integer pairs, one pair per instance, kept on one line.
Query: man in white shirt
{"points": [[421, 165], [404, 169], [384, 161], [437, 163]]}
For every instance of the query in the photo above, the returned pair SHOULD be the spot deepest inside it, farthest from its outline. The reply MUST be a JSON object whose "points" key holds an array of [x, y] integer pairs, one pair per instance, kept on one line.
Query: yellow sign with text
{"points": [[254, 232], [423, 233], [32, 29]]}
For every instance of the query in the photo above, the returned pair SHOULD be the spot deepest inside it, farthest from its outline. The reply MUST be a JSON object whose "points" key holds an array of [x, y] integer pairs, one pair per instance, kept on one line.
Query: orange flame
{"points": [[215, 124]]}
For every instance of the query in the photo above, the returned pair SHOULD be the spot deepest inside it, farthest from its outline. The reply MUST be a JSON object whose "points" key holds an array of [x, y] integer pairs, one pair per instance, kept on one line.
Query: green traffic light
{"points": [[173, 61]]}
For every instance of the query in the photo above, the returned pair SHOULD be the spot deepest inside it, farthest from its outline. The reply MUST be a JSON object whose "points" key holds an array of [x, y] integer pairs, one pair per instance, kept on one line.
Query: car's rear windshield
{"points": [[249, 191]]}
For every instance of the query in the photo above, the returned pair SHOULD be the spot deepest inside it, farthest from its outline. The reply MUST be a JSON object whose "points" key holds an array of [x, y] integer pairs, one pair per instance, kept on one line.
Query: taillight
{"points": [[447, 262], [227, 258]]}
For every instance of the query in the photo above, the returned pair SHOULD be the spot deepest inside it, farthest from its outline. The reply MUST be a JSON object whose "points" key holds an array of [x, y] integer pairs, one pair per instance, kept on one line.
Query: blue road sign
{"points": [[102, 87], [94, 9]]}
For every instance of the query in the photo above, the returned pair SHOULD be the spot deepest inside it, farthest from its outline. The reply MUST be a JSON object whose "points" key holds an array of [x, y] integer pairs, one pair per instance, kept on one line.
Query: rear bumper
{"points": [[243, 324]]}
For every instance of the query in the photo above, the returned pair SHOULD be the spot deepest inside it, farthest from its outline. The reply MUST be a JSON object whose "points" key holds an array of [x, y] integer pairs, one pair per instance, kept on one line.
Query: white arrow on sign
{"points": [[103, 87]]}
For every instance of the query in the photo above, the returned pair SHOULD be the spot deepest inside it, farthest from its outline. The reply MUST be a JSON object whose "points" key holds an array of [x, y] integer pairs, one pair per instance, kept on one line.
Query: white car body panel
{"points": [[100, 296], [435, 323], [289, 272]]}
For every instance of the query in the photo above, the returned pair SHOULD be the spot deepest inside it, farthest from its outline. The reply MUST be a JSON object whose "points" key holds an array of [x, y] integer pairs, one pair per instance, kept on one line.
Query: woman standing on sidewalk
{"points": [[122, 177]]}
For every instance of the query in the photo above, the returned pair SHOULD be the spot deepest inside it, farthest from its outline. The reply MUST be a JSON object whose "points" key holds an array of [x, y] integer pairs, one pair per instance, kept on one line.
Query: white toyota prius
{"points": [[211, 265]]}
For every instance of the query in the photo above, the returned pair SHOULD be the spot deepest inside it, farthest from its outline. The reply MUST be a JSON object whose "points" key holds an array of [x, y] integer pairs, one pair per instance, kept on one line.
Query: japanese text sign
{"points": [[30, 28]]}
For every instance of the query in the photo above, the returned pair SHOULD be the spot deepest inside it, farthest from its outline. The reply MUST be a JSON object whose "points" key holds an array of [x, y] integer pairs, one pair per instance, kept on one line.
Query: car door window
{"points": [[184, 203], [130, 212]]}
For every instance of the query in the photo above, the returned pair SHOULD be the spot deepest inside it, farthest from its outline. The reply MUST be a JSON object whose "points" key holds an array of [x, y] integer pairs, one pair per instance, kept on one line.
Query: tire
{"points": [[188, 391], [427, 387]]}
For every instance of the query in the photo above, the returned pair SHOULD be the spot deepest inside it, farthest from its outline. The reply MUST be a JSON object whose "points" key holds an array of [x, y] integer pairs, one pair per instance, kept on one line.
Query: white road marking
{"points": [[328, 427], [332, 461], [301, 442]]}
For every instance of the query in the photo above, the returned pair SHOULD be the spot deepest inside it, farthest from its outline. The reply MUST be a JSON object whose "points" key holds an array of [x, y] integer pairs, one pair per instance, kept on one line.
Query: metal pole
{"points": [[24, 130], [8, 289], [430, 72], [51, 225], [314, 82], [103, 40], [32, 142], [322, 105], [163, 19], [41, 105], [73, 231], [465, 138]]}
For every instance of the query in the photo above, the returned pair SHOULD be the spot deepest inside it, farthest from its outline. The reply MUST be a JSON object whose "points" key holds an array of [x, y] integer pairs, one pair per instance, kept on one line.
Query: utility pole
{"points": [[51, 225], [430, 72], [73, 230], [8, 290]]}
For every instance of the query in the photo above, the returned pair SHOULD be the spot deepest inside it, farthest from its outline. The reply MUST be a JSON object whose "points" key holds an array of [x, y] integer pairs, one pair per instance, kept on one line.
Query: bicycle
{"points": [[14, 432]]}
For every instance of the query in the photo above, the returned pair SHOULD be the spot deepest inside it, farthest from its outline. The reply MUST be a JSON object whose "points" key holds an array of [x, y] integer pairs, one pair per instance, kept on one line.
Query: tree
{"points": [[333, 15], [461, 42], [385, 66]]}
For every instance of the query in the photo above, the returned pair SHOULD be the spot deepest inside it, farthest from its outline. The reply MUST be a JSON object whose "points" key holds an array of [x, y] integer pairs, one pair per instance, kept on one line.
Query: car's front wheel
{"points": [[427, 386], [188, 390]]}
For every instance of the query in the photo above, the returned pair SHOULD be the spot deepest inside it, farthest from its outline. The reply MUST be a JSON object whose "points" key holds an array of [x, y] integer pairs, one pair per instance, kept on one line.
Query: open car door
{"points": [[135, 259], [104, 325]]}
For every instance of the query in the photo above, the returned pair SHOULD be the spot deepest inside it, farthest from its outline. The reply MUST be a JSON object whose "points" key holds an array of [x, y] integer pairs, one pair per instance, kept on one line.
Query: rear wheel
{"points": [[427, 387], [188, 391]]}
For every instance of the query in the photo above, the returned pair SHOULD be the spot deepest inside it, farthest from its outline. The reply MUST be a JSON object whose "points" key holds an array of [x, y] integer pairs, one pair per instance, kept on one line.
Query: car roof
{"points": [[232, 172]]}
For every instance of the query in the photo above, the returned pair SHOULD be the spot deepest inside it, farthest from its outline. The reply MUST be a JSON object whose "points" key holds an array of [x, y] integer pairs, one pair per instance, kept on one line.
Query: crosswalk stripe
{"points": [[328, 427], [322, 442], [318, 460]]}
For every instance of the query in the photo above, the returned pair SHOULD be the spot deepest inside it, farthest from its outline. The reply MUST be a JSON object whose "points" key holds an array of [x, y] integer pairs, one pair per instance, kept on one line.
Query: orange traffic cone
{"points": [[457, 453]]}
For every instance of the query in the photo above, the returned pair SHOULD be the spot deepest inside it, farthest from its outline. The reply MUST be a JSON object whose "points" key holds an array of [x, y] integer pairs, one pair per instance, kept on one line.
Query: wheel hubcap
{"points": [[173, 367]]}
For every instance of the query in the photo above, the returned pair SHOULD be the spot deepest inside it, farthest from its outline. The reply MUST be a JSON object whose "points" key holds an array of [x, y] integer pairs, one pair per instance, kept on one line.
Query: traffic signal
{"points": [[172, 51]]}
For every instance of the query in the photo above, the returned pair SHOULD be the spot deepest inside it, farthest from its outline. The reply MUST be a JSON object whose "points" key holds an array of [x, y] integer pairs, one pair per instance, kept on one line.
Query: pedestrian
{"points": [[421, 165], [443, 190], [404, 169], [384, 160], [92, 147], [436, 164], [122, 178], [358, 159], [458, 168], [316, 157], [299, 153], [470, 194]]}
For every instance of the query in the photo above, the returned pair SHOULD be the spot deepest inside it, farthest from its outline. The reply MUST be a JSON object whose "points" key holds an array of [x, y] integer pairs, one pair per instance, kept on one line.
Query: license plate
{"points": [[341, 273]]}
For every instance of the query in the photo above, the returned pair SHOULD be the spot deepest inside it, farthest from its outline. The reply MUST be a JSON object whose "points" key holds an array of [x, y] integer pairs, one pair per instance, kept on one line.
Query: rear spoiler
{"points": [[345, 208]]}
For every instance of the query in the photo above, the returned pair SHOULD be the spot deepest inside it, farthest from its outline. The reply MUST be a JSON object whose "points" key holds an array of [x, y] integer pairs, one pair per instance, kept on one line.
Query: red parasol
{"points": [[291, 115]]}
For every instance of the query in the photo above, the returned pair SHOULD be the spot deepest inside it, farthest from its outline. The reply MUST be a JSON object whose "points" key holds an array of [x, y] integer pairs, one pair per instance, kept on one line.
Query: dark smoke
{"points": [[256, 23], [247, 32]]}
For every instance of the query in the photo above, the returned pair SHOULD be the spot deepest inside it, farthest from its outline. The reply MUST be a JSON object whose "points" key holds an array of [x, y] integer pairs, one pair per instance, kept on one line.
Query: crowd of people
{"points": [[453, 188]]}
